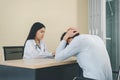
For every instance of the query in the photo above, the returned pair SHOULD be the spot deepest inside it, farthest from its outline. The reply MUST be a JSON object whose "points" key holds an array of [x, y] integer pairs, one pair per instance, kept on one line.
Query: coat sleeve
{"points": [[30, 52]]}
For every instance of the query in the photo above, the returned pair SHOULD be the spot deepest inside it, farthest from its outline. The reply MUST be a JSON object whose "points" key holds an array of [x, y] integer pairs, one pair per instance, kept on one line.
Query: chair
{"points": [[118, 77], [118, 74], [114, 72], [13, 52]]}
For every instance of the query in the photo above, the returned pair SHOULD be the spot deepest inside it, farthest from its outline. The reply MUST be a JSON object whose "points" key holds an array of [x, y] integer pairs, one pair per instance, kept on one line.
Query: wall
{"points": [[17, 17], [82, 15]]}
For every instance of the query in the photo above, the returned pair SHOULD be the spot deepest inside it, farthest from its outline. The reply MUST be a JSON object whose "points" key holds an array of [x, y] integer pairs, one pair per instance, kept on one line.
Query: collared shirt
{"points": [[32, 51], [91, 54]]}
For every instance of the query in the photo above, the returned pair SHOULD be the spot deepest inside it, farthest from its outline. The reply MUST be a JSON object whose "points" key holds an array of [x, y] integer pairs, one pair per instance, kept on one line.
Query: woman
{"points": [[34, 47]]}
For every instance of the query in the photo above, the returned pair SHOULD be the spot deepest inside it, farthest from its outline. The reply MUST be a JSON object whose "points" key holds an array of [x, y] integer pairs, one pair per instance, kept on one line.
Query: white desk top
{"points": [[37, 63]]}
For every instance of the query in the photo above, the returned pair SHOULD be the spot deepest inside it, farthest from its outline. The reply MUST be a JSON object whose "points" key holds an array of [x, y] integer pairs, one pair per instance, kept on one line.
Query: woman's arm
{"points": [[31, 52]]}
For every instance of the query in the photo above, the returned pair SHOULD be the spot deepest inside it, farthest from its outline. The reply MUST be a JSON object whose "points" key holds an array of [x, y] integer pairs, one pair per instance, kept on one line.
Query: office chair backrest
{"points": [[13, 52]]}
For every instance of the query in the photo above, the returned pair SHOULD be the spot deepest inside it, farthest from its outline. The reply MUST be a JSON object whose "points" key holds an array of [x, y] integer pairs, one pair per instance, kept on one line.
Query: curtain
{"points": [[104, 21], [96, 16]]}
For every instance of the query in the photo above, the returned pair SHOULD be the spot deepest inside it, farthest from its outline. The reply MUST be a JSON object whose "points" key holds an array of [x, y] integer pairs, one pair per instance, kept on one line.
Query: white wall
{"points": [[17, 17]]}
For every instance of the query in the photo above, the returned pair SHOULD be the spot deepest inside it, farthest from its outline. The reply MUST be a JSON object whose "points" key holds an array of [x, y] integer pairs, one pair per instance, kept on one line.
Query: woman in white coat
{"points": [[34, 47]]}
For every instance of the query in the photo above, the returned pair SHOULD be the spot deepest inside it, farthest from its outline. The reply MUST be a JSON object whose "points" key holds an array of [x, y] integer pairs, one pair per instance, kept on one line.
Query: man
{"points": [[91, 54]]}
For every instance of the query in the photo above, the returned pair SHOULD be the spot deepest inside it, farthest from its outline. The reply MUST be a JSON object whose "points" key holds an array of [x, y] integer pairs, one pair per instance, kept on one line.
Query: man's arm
{"points": [[72, 49]]}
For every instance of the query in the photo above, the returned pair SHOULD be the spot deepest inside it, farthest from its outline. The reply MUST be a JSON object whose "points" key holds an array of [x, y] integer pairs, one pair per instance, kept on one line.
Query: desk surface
{"points": [[37, 63]]}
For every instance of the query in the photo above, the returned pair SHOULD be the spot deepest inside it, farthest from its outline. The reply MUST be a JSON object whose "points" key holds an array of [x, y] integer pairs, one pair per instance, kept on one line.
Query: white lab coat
{"points": [[91, 54], [31, 51]]}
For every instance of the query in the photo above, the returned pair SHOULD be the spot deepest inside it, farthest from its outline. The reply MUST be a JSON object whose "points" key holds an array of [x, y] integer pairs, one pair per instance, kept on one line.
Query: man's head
{"points": [[70, 33], [73, 28], [69, 39]]}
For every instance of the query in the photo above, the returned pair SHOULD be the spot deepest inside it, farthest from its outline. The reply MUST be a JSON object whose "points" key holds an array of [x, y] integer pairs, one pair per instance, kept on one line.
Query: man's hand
{"points": [[70, 33], [53, 54], [73, 28]]}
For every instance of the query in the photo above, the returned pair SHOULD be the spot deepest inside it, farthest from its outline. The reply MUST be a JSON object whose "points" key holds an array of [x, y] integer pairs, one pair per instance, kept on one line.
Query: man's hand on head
{"points": [[70, 33], [73, 28]]}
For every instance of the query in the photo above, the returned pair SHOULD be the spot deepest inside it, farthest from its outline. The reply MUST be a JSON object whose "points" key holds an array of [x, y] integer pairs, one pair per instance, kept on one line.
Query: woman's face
{"points": [[40, 34]]}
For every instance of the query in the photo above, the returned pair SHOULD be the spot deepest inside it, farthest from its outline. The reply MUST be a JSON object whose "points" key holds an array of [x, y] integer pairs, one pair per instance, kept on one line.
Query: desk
{"points": [[38, 69]]}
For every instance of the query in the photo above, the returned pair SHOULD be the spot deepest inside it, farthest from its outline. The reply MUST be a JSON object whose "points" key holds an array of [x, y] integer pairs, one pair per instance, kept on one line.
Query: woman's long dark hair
{"points": [[35, 27]]}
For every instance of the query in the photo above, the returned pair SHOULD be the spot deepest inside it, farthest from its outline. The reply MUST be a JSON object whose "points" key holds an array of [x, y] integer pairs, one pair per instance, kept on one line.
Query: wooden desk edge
{"points": [[15, 63]]}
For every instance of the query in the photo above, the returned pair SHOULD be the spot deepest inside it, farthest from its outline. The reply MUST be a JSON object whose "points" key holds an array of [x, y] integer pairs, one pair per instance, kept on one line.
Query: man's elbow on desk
{"points": [[58, 58]]}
